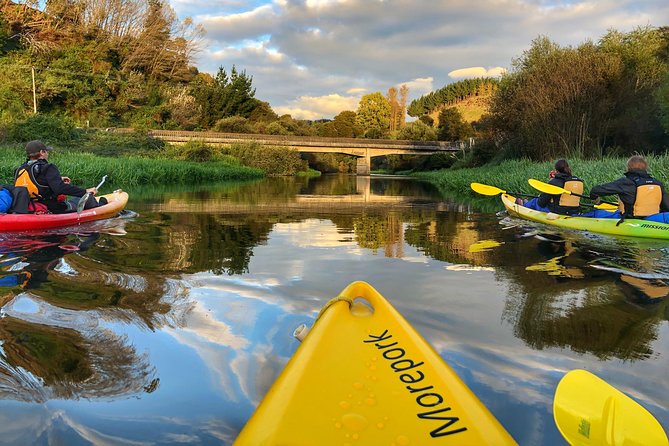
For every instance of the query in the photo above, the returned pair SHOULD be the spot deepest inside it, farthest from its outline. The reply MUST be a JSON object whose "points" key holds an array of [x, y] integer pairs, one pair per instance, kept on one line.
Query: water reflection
{"points": [[181, 318], [52, 342]]}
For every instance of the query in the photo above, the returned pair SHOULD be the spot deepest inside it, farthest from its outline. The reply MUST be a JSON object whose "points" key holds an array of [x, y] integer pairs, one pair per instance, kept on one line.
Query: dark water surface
{"points": [[167, 326]]}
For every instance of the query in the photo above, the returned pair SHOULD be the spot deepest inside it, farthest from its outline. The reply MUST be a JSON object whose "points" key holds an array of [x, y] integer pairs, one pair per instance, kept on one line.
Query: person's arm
{"points": [[664, 204], [544, 198], [606, 189], [55, 182]]}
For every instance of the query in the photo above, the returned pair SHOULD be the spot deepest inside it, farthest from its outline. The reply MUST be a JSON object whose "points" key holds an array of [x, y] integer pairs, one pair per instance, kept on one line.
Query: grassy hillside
{"points": [[471, 108]]}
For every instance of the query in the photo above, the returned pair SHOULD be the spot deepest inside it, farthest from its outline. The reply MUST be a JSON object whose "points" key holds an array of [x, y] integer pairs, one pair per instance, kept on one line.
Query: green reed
{"points": [[513, 175], [86, 169]]}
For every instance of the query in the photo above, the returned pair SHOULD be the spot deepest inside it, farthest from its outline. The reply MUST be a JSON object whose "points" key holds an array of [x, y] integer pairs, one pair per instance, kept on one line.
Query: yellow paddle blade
{"points": [[606, 206], [484, 189], [556, 190], [547, 188], [589, 411]]}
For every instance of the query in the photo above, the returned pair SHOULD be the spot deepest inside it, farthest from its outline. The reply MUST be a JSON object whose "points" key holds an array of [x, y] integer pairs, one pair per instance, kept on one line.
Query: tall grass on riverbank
{"points": [[86, 169], [513, 175]]}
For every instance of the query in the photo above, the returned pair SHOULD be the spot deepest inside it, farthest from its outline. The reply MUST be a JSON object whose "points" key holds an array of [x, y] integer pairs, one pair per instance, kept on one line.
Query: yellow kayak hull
{"points": [[612, 226], [364, 376]]}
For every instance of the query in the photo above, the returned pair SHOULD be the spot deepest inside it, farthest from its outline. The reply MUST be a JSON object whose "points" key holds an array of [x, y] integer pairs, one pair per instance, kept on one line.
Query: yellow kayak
{"points": [[364, 376]]}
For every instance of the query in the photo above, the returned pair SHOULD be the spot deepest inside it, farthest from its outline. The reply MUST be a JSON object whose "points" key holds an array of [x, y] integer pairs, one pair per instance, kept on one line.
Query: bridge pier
{"points": [[364, 164]]}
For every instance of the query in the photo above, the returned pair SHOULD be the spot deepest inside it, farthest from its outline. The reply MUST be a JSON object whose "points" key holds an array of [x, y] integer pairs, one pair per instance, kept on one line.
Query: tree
{"points": [[373, 115], [165, 47], [224, 96], [394, 108], [345, 125], [418, 131], [404, 95], [452, 127], [663, 103], [580, 101]]}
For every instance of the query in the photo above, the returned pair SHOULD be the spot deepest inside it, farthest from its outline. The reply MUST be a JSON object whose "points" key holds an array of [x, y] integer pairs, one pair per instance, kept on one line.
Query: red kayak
{"points": [[116, 201]]}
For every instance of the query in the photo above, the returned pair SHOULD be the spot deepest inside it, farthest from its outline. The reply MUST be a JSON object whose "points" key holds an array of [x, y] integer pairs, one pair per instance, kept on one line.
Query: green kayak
{"points": [[629, 227]]}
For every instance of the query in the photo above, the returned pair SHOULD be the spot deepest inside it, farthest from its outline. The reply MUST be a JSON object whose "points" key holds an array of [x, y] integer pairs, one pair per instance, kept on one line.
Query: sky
{"points": [[315, 58]]}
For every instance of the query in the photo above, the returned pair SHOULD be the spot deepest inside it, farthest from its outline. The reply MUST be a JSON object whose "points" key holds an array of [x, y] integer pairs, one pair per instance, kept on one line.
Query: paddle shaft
{"points": [[552, 189], [82, 201], [588, 198]]}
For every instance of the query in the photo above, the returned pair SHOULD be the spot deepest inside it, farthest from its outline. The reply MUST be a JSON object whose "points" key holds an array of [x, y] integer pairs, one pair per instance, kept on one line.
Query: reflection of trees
{"points": [[587, 312], [39, 362], [373, 232], [557, 297], [226, 247], [593, 323], [448, 239]]}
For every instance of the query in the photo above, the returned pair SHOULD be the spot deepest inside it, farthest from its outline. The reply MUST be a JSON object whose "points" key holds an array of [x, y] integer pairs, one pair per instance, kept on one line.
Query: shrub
{"points": [[48, 128], [271, 160], [276, 128], [417, 131], [234, 124], [197, 151], [108, 143]]}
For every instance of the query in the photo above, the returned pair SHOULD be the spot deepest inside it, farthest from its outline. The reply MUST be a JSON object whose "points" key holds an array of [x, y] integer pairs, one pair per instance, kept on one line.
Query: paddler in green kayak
{"points": [[639, 194], [565, 204]]}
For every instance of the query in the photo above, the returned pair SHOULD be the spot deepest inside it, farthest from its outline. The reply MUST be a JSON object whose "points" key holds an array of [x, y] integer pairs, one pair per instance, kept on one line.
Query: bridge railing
{"points": [[307, 141]]}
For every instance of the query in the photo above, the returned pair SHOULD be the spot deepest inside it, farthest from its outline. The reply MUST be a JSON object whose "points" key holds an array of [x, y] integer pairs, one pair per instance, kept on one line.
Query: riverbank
{"points": [[87, 169], [513, 175]]}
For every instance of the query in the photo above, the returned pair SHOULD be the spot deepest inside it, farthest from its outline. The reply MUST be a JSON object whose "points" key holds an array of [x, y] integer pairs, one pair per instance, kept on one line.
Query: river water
{"points": [[167, 325]]}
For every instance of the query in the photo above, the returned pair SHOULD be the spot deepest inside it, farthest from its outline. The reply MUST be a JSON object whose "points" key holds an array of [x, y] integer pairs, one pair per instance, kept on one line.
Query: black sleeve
{"points": [[603, 190], [664, 204], [544, 199], [55, 181]]}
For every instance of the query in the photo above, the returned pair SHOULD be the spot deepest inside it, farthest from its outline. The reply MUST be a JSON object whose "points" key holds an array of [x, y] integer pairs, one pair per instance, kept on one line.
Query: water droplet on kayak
{"points": [[403, 440], [354, 422]]}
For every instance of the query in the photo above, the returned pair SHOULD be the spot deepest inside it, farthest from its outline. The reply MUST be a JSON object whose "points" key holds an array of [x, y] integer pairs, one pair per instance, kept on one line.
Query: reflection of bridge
{"points": [[364, 198], [362, 149]]}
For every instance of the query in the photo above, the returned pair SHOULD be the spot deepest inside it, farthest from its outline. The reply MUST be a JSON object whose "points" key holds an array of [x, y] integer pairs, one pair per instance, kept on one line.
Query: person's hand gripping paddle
{"points": [[84, 199]]}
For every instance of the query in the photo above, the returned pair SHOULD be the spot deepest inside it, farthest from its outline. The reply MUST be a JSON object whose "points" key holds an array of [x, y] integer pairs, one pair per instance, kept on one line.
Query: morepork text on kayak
{"points": [[410, 373]]}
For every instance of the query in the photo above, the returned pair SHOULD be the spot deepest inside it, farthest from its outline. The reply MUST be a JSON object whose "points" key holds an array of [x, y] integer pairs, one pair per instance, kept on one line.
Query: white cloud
{"points": [[465, 73], [322, 48], [318, 107]]}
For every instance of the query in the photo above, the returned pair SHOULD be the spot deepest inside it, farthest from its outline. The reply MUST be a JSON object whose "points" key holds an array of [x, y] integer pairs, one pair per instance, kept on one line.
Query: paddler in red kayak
{"points": [[45, 184]]}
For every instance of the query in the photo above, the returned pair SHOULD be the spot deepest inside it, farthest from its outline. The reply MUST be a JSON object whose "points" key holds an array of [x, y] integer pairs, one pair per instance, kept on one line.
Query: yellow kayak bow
{"points": [[364, 376]]}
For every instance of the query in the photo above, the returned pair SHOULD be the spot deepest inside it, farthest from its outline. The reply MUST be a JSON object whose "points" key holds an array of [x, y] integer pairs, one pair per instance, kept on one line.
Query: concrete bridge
{"points": [[362, 149]]}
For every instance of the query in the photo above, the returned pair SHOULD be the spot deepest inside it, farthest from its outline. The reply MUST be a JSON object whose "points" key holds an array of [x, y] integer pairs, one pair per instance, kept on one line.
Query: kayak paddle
{"points": [[484, 189], [589, 411], [82, 201], [556, 190]]}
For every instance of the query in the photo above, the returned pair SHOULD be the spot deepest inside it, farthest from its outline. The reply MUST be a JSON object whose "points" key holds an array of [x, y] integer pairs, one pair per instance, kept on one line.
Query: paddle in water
{"points": [[589, 411], [557, 190], [82, 201], [484, 189]]}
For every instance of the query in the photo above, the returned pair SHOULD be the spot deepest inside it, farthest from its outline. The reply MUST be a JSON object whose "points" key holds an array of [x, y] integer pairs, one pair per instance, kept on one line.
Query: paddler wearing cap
{"points": [[45, 184]]}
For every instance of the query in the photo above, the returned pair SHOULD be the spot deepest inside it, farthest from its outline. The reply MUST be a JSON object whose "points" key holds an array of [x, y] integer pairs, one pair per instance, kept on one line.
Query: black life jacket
{"points": [[26, 176]]}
